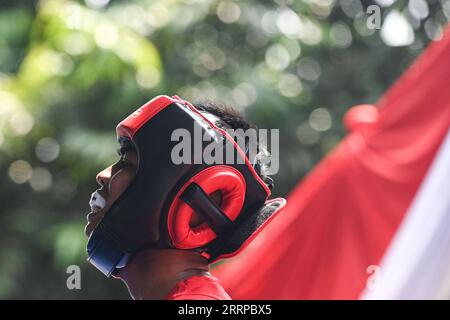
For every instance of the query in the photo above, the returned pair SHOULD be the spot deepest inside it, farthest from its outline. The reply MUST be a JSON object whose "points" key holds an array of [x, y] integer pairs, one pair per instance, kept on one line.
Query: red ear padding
{"points": [[225, 179]]}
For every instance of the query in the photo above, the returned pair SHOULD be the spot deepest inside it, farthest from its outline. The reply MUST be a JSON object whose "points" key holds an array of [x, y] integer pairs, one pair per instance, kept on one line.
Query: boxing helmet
{"points": [[156, 208]]}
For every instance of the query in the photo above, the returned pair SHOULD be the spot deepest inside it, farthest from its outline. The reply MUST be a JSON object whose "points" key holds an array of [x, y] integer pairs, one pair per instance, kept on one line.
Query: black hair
{"points": [[231, 119]]}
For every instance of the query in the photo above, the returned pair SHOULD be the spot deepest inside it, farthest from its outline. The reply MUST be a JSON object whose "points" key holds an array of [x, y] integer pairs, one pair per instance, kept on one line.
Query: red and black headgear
{"points": [[156, 208]]}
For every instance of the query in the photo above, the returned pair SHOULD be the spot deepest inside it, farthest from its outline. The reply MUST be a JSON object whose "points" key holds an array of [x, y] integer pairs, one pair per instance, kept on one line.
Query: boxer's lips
{"points": [[97, 201], [95, 210]]}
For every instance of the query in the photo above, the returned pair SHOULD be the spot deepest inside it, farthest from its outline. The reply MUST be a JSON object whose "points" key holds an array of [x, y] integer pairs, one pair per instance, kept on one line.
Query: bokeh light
{"points": [[77, 43], [277, 57], [418, 9], [351, 8], [96, 4], [47, 149], [244, 94], [148, 77], [21, 123], [228, 11], [41, 179], [396, 30], [308, 69], [20, 171], [289, 85], [341, 35], [385, 3], [106, 35], [288, 22], [320, 119]]}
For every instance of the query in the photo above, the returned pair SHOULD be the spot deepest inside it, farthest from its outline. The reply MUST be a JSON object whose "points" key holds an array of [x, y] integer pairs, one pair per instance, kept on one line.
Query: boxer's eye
{"points": [[122, 150], [122, 162]]}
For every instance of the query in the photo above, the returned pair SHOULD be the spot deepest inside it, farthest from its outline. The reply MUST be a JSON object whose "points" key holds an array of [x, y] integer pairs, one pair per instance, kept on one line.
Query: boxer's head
{"points": [[145, 200]]}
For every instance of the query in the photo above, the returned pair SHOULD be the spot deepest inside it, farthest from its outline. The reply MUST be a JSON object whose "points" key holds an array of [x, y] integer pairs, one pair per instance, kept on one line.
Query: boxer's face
{"points": [[113, 181]]}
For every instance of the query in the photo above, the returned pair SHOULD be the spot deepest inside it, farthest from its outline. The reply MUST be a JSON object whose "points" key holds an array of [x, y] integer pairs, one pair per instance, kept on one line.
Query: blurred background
{"points": [[71, 70]]}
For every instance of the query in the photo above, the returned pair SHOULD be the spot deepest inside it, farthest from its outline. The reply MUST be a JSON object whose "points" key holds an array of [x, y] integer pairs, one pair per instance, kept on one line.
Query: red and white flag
{"points": [[372, 220]]}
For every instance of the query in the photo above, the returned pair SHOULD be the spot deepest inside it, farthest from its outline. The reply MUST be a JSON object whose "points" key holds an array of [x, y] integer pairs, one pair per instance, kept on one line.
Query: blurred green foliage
{"points": [[70, 71]]}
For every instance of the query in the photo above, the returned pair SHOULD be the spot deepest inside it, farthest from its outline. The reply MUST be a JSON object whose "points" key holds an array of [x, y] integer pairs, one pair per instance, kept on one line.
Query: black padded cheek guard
{"points": [[138, 218]]}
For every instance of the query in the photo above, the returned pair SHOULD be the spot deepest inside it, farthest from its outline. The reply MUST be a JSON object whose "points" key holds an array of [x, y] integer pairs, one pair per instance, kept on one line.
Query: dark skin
{"points": [[151, 274]]}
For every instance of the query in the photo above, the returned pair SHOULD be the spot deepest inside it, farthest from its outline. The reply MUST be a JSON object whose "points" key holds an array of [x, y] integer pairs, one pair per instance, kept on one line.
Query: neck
{"points": [[152, 274]]}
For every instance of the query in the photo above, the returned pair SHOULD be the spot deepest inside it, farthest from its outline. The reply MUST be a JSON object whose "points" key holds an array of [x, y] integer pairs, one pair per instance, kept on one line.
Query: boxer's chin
{"points": [[93, 221]]}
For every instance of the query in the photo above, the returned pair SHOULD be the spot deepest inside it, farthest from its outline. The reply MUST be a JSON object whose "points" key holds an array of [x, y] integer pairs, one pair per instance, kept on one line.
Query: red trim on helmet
{"points": [[258, 231], [131, 124]]}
